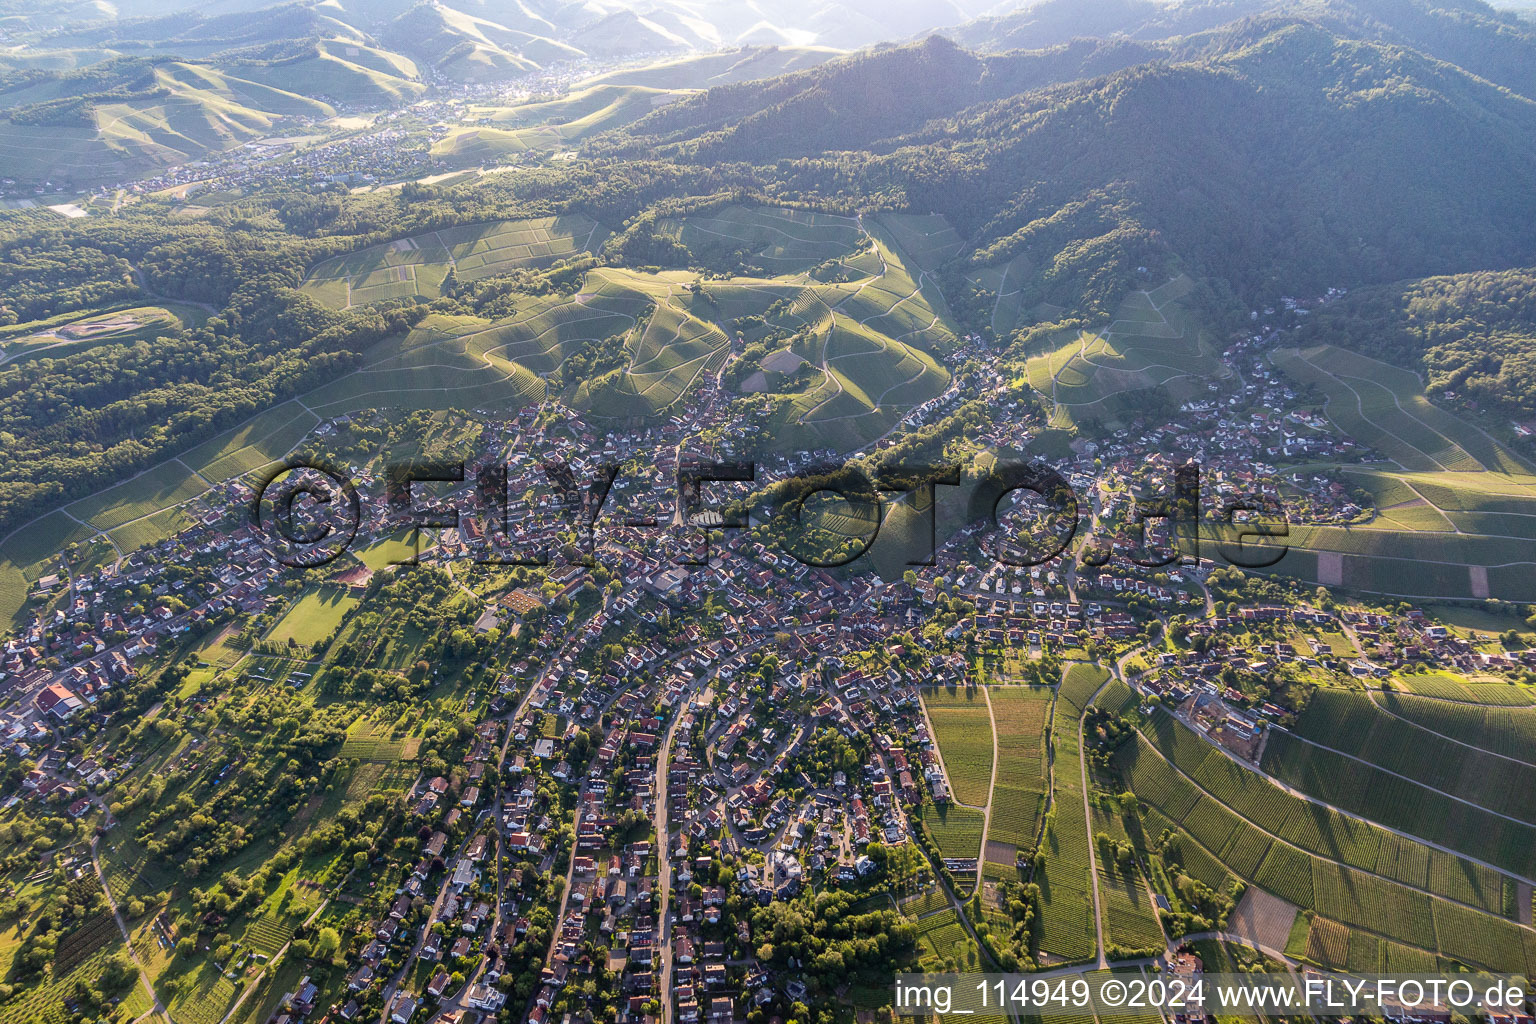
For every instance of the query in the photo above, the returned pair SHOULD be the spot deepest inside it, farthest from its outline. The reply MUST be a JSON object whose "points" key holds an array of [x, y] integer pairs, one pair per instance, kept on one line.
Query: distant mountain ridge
{"points": [[1270, 149]]}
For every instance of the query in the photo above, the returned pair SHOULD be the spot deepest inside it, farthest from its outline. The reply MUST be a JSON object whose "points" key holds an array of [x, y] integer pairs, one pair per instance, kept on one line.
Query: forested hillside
{"points": [[1472, 336], [1285, 157]]}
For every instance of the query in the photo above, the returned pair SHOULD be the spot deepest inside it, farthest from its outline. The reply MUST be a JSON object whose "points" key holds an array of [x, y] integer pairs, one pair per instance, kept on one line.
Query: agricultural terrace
{"points": [[1509, 731], [416, 266], [1456, 507], [1151, 343], [1066, 887], [1400, 803], [776, 242], [1019, 794], [1349, 871], [1349, 721], [1321, 831]]}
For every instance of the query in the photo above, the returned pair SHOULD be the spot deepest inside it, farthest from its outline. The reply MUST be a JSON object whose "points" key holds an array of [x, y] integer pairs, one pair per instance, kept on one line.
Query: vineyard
{"points": [[1066, 888], [963, 731], [1316, 829], [369, 740], [1346, 720], [1347, 898], [45, 1002], [1456, 689], [76, 947], [1400, 804], [956, 829], [1130, 920], [1328, 943], [1502, 730], [1018, 798], [1080, 683], [923, 903]]}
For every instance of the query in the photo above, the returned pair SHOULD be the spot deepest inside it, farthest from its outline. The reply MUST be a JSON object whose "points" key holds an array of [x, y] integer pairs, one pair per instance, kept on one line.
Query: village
{"points": [[621, 814]]}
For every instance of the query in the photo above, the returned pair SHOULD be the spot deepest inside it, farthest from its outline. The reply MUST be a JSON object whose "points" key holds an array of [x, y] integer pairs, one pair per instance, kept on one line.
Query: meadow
{"points": [[314, 617]]}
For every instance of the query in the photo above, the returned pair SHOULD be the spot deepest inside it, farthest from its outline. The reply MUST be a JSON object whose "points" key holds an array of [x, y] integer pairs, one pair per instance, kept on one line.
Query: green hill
{"points": [[466, 47], [105, 123], [1294, 152]]}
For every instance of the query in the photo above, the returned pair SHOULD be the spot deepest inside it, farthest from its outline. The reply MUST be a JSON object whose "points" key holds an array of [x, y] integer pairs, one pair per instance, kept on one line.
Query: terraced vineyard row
{"points": [[1507, 731], [1346, 720], [1337, 892], [963, 731], [1018, 798], [1066, 888], [1400, 804], [1320, 830]]}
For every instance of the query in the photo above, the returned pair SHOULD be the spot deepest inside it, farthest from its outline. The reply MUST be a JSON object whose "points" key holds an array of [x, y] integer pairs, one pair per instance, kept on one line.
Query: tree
{"points": [[326, 943], [186, 946]]}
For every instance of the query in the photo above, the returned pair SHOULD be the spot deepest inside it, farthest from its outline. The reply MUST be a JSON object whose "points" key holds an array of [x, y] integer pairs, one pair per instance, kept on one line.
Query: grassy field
{"points": [[118, 327], [417, 265], [963, 732], [314, 617]]}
